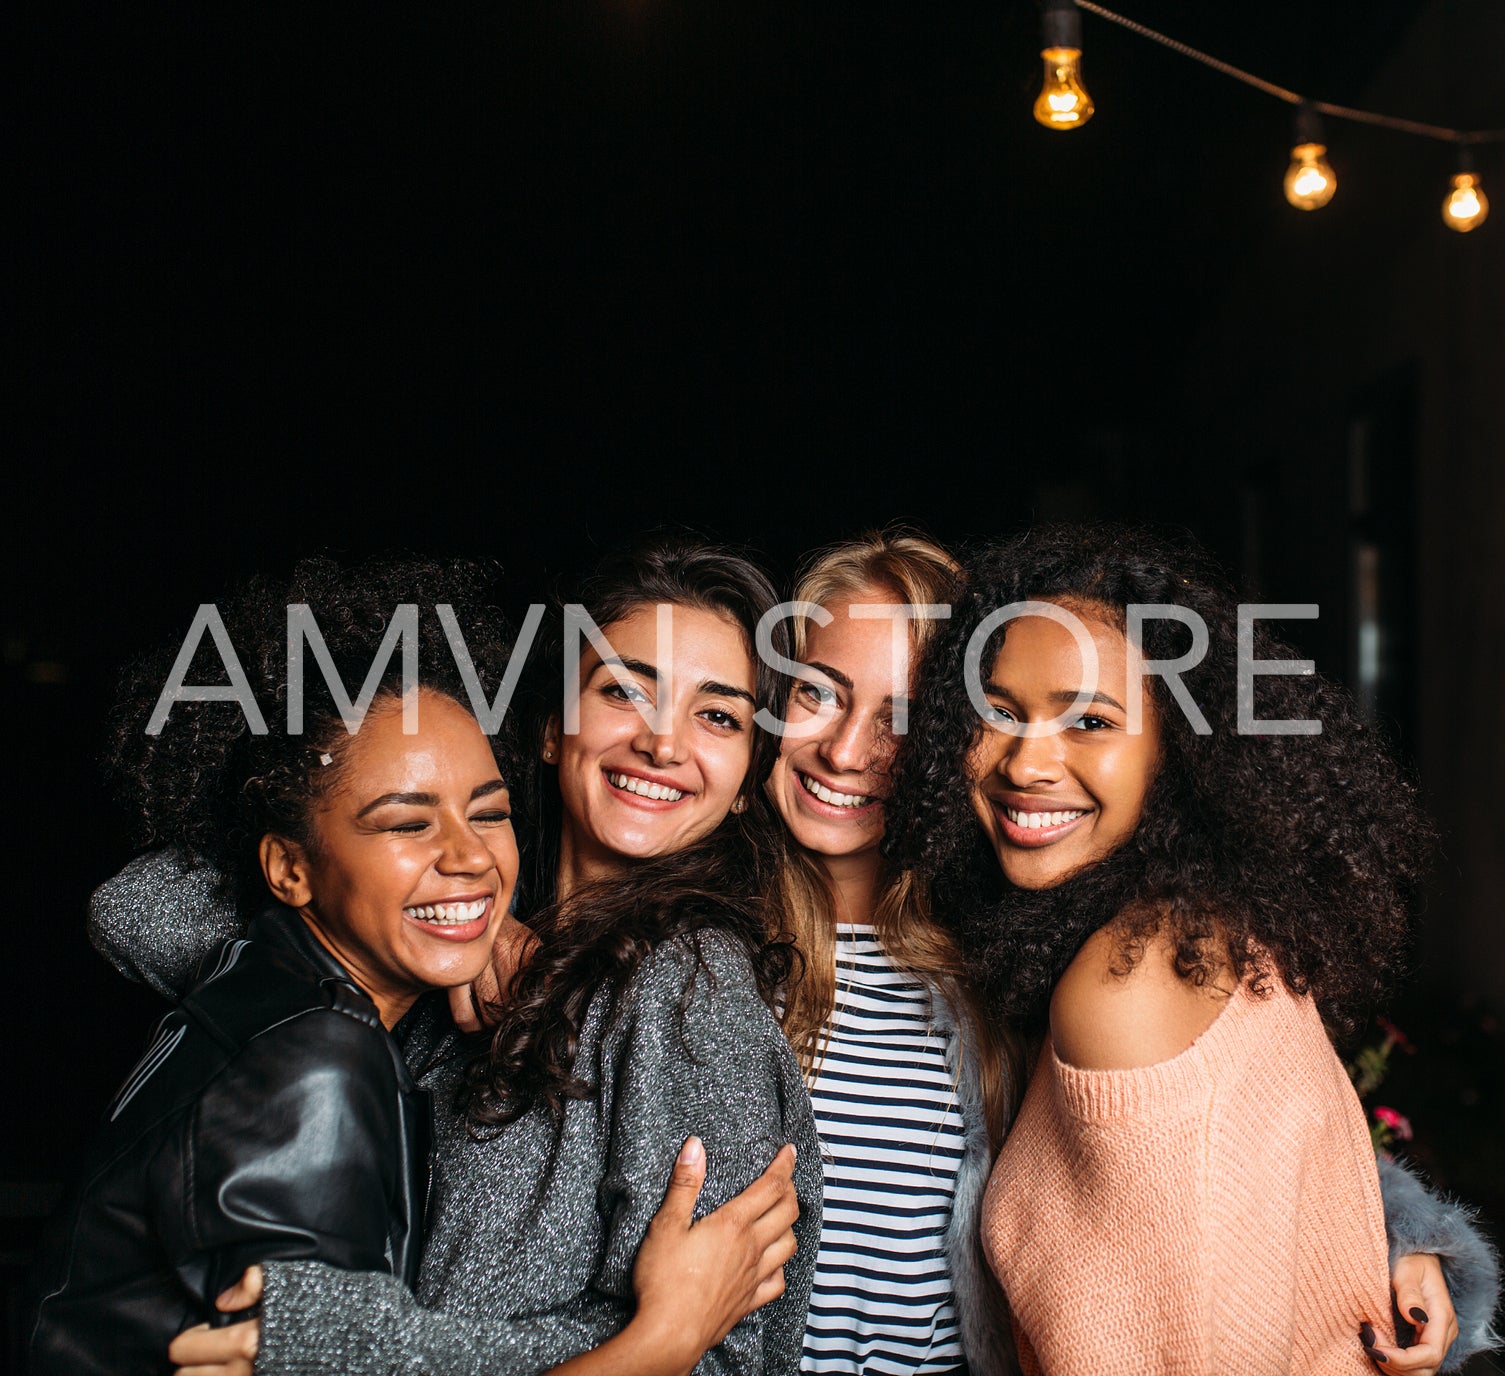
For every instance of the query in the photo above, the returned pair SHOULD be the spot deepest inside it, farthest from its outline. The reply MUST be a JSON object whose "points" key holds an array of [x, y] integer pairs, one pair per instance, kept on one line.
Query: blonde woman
{"points": [[908, 1083]]}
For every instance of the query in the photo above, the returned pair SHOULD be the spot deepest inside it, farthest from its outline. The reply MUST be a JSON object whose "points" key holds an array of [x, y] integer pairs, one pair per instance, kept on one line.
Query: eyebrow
{"points": [[634, 666], [1062, 695], [645, 670], [428, 799], [835, 675], [726, 690]]}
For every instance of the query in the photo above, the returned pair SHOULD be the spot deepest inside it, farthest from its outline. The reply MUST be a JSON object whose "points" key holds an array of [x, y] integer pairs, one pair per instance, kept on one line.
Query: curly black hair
{"points": [[1291, 855], [208, 783], [599, 935]]}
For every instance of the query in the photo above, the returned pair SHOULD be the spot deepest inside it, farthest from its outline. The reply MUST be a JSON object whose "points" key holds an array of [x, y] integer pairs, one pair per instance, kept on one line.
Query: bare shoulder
{"points": [[1101, 1019]]}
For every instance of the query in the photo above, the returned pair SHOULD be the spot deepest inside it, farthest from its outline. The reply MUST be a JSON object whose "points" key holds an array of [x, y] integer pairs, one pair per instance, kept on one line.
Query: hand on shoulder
{"points": [[1103, 1019]]}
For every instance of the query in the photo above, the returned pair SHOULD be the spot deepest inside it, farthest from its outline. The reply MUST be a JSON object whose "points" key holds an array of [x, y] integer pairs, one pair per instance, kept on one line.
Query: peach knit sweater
{"points": [[1217, 1212]]}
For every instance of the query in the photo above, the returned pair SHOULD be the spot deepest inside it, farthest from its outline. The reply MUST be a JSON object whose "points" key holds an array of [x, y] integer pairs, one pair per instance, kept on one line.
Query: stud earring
{"points": [[740, 806], [548, 755]]}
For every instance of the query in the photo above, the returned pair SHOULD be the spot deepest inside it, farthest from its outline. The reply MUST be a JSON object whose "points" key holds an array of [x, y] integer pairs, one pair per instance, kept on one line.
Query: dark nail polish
{"points": [[1418, 1313], [1366, 1335], [1376, 1356]]}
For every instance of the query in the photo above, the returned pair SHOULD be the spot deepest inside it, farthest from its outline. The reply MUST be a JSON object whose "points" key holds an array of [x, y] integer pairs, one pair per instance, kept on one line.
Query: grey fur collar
{"points": [[980, 1305]]}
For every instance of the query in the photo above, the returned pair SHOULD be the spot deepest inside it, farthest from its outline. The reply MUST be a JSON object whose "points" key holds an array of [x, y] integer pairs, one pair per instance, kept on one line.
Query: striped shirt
{"points": [[891, 1143]]}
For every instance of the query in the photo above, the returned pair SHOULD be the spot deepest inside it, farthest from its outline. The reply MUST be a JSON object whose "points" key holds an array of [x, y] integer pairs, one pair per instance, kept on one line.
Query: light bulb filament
{"points": [[1309, 181]]}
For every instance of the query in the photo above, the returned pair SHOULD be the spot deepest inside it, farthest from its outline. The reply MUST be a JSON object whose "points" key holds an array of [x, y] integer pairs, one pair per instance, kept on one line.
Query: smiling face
{"points": [[1052, 804], [412, 857], [632, 789], [830, 786]]}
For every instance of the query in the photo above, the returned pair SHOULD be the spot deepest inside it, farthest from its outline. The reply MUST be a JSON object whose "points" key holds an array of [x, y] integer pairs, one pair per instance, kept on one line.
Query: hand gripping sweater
{"points": [[1218, 1212]]}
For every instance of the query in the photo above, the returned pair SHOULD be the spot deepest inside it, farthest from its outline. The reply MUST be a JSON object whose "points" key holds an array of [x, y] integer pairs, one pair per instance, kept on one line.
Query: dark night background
{"points": [[520, 281]]}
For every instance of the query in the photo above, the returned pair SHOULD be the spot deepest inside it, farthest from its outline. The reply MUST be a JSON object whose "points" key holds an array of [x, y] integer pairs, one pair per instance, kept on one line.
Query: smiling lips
{"points": [[645, 789], [457, 919], [1035, 827], [846, 802]]}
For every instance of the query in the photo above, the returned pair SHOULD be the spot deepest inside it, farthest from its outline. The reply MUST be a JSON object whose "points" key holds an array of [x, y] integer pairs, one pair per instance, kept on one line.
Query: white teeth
{"points": [[448, 914], [826, 795], [1033, 821], [629, 783]]}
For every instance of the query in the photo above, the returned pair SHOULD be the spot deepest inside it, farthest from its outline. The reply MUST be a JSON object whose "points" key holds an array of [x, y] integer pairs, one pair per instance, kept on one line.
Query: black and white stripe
{"points": [[891, 1138]]}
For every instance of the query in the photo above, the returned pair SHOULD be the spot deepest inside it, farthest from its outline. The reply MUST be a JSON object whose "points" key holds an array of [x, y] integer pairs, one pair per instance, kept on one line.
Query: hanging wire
{"points": [[1404, 126]]}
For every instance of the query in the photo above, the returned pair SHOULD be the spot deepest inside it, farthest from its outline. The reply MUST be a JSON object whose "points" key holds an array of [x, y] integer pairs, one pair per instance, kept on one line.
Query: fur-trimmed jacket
{"points": [[980, 1305]]}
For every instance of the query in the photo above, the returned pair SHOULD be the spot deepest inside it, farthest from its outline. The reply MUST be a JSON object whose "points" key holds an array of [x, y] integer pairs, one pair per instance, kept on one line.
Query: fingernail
{"points": [[692, 1153], [795, 1151], [1418, 1313], [1366, 1335], [1376, 1356]]}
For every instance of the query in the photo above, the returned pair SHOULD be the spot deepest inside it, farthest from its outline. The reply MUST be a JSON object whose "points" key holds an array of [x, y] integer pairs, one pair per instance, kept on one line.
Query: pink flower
{"points": [[1398, 1123]]}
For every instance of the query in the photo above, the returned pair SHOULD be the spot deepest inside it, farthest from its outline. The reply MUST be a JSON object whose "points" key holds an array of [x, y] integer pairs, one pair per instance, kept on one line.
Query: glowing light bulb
{"points": [[1310, 182], [1466, 206], [1063, 102]]}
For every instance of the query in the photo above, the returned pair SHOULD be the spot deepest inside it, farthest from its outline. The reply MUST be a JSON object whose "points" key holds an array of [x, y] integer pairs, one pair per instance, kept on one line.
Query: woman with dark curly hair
{"points": [[1177, 889], [638, 1016]]}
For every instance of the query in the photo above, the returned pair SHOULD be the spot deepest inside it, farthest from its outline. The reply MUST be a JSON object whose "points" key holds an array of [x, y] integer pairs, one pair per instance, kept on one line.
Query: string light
{"points": [[1310, 181], [1466, 206], [1063, 102]]}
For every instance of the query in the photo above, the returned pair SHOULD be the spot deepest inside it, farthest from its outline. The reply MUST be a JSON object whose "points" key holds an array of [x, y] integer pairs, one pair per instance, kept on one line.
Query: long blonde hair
{"points": [[802, 900]]}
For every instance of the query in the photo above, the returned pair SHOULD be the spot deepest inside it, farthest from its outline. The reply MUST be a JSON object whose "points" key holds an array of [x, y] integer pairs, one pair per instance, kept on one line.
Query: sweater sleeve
{"points": [[1080, 1254], [1215, 1212], [697, 1051], [367, 1323], [159, 917], [1417, 1220]]}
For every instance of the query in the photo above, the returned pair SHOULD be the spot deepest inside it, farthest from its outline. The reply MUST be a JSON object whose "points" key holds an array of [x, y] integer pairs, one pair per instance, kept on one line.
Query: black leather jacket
{"points": [[271, 1117]]}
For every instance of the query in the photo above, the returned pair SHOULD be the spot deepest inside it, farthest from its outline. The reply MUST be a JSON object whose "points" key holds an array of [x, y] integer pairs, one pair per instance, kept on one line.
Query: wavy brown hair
{"points": [[594, 939], [801, 898], [1289, 856]]}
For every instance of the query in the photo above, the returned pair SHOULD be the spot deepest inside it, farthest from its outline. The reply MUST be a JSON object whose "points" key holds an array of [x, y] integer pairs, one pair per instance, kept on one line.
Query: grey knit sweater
{"points": [[532, 1233]]}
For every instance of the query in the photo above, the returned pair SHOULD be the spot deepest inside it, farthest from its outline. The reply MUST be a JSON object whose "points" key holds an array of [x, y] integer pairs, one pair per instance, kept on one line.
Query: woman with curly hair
{"points": [[906, 1076], [639, 1015], [1180, 897]]}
